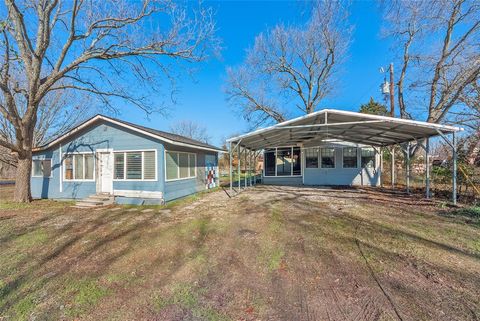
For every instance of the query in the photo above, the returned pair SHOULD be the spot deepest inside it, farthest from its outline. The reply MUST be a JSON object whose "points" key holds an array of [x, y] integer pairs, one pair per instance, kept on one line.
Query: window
{"points": [[296, 170], [368, 157], [328, 157], [269, 159], [135, 165], [349, 157], [285, 161], [180, 165], [78, 166], [119, 167], [311, 158], [42, 168]]}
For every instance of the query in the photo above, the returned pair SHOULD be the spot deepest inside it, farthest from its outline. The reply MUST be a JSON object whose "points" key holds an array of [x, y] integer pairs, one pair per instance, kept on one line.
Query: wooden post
{"points": [[427, 168]]}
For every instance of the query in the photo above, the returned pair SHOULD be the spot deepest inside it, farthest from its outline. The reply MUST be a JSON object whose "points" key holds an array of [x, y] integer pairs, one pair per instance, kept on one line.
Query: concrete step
{"points": [[96, 200]]}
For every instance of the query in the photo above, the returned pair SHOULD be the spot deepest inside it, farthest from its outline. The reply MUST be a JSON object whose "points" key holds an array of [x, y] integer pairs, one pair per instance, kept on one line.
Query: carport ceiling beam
{"points": [[330, 124]]}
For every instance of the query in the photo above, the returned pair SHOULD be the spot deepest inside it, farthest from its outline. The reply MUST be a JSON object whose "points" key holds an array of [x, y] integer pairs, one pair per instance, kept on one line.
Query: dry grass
{"points": [[275, 253]]}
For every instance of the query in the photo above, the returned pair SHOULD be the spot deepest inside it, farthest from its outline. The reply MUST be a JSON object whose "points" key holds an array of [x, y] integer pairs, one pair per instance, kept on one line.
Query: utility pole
{"points": [[392, 88]]}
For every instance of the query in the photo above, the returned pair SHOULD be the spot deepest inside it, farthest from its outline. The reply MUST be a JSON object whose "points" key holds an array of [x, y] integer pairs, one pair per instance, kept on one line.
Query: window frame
{"points": [[178, 167], [41, 160], [356, 158], [317, 152], [64, 168], [291, 167], [320, 163], [374, 157], [125, 179]]}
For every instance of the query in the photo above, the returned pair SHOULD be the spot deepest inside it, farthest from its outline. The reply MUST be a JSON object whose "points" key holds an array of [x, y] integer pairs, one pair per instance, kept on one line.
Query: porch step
{"points": [[95, 200]]}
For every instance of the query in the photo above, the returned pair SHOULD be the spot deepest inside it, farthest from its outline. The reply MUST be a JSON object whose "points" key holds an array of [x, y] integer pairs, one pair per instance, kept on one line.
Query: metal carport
{"points": [[347, 126]]}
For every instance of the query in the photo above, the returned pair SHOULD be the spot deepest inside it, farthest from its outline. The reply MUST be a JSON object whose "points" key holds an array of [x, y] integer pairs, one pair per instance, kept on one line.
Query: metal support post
{"points": [[239, 169], [230, 153], [407, 167], [427, 168], [454, 174]]}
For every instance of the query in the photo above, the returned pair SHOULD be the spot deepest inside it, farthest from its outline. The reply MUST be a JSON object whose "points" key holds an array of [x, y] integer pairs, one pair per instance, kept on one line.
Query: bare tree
{"points": [[291, 65], [440, 58], [192, 130], [57, 113], [97, 47]]}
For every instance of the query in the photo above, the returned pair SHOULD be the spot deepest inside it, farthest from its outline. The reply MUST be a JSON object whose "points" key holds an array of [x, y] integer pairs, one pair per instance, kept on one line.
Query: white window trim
{"points": [[178, 167], [343, 165], [291, 168], [51, 168], [334, 158], [73, 167], [125, 179]]}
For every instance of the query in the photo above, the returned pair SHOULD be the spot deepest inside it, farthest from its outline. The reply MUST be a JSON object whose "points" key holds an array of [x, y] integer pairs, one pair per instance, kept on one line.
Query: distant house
{"points": [[134, 164]]}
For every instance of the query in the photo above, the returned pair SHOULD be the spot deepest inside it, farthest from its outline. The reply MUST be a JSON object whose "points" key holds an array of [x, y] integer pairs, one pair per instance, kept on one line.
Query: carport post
{"points": [[246, 167], [407, 169], [392, 154], [454, 175], [239, 171], [427, 168], [230, 152], [251, 164]]}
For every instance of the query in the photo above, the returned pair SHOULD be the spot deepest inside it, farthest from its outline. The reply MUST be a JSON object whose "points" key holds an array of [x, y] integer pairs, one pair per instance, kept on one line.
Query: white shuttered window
{"points": [[135, 165]]}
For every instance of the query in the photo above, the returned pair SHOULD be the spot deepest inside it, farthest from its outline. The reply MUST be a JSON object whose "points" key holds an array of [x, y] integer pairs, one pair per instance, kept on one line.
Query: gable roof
{"points": [[170, 138], [343, 125]]}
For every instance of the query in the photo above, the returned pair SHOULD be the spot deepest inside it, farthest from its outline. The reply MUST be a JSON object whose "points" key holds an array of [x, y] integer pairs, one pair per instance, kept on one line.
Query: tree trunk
{"points": [[22, 192]]}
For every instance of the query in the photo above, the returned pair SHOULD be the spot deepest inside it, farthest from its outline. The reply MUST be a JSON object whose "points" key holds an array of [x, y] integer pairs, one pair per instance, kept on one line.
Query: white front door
{"points": [[105, 173]]}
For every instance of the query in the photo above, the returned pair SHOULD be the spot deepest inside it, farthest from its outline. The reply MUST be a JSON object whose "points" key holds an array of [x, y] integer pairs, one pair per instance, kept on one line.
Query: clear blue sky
{"points": [[203, 100]]}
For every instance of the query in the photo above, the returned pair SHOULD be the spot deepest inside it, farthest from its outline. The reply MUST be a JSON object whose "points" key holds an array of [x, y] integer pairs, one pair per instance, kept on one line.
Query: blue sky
{"points": [[202, 99]]}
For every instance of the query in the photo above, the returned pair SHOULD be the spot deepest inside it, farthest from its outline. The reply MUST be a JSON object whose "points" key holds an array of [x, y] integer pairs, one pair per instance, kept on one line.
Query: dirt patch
{"points": [[269, 253]]}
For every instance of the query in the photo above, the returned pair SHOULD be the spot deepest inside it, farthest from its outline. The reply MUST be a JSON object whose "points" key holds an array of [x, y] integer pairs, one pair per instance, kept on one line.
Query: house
{"points": [[134, 164], [335, 147]]}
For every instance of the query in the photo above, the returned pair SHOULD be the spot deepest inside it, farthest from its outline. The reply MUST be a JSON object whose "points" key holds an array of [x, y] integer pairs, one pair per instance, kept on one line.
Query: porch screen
{"points": [[284, 161], [311, 158], [368, 157], [328, 157], [269, 157], [349, 157]]}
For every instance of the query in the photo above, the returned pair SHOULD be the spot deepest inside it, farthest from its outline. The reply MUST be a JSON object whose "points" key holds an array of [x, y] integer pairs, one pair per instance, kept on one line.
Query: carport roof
{"points": [[332, 124]]}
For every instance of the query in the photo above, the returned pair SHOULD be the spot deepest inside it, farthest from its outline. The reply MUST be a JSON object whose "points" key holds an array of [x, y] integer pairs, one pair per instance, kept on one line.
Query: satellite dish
{"points": [[382, 70]]}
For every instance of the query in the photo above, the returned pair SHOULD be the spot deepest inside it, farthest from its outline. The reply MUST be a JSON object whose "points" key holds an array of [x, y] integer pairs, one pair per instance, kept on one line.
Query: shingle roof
{"points": [[168, 137]]}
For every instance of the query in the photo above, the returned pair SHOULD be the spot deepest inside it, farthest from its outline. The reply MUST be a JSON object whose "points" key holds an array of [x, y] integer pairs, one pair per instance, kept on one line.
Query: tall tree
{"points": [[291, 65], [92, 46], [191, 129], [439, 53]]}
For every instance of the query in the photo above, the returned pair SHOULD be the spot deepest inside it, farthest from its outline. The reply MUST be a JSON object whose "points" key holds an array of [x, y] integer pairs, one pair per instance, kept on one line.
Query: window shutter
{"points": [[134, 165], [149, 165]]}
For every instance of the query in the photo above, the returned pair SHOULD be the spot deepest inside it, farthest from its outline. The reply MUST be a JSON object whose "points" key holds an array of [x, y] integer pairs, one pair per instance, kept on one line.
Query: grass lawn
{"points": [[270, 253]]}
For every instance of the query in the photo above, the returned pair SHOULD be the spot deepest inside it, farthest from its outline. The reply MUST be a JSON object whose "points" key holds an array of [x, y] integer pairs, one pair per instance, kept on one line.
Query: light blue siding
{"points": [[104, 135], [272, 180], [332, 176], [340, 175], [180, 188]]}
